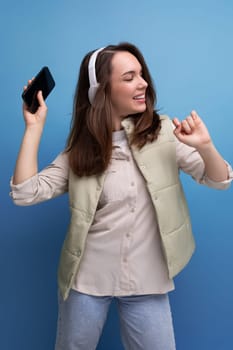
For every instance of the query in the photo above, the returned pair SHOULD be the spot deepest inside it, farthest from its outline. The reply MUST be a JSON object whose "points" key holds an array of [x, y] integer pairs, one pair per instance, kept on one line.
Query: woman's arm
{"points": [[193, 132], [49, 183], [26, 164]]}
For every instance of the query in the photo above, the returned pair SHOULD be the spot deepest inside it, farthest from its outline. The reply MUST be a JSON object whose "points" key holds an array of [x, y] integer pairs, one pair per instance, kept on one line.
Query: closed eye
{"points": [[128, 76]]}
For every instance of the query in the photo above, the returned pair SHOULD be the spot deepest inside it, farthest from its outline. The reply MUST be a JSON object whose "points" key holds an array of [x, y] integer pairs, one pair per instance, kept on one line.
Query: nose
{"points": [[142, 82]]}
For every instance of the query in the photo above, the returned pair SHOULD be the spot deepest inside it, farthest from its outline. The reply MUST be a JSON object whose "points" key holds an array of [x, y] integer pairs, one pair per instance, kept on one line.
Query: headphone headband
{"points": [[92, 75]]}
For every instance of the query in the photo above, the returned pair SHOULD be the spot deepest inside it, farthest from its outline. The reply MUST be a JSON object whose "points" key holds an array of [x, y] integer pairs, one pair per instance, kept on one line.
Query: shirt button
{"points": [[132, 183], [79, 252], [128, 235], [132, 210]]}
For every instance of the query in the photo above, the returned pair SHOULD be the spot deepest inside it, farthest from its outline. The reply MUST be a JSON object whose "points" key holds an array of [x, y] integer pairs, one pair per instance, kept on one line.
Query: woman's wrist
{"points": [[33, 130], [206, 147]]}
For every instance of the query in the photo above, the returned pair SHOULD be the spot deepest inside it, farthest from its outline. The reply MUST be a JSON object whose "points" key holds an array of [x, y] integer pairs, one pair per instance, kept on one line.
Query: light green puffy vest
{"points": [[157, 163]]}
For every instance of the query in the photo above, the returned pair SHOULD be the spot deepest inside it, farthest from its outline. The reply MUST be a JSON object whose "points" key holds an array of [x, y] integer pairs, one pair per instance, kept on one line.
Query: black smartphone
{"points": [[43, 81]]}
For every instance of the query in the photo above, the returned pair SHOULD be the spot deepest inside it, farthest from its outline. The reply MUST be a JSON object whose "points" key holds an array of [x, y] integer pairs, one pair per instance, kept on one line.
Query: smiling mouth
{"points": [[139, 97]]}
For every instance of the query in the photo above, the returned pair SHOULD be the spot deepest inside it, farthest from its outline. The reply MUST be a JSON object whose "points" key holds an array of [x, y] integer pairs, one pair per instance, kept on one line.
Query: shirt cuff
{"points": [[20, 193], [220, 185]]}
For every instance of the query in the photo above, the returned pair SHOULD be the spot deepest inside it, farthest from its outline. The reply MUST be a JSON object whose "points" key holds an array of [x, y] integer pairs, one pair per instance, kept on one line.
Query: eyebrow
{"points": [[130, 72]]}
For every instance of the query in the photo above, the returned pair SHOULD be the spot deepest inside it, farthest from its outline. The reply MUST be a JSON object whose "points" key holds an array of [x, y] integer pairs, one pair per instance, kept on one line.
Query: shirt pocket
{"points": [[116, 183]]}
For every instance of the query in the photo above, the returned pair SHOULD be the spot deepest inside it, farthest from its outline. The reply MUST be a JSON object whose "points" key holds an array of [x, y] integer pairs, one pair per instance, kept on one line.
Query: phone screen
{"points": [[43, 81]]}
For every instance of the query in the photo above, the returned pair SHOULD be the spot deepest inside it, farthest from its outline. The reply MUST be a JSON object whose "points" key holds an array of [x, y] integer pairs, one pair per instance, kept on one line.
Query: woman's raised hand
{"points": [[38, 118], [192, 131]]}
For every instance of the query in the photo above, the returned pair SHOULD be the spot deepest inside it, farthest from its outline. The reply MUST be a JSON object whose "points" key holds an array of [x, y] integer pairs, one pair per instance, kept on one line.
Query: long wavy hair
{"points": [[89, 143]]}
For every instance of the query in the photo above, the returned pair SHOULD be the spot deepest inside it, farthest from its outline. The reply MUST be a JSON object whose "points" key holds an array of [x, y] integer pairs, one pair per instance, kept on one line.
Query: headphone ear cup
{"points": [[92, 76], [92, 92]]}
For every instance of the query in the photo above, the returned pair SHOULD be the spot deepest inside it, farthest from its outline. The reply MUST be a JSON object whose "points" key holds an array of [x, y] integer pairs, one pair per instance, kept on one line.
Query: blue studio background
{"points": [[188, 47]]}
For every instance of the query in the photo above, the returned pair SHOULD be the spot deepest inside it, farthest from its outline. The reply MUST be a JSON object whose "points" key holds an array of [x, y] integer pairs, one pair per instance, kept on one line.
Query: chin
{"points": [[140, 110]]}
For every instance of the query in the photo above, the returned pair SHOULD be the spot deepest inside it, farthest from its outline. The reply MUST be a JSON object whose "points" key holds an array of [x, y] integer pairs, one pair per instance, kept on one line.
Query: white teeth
{"points": [[139, 97]]}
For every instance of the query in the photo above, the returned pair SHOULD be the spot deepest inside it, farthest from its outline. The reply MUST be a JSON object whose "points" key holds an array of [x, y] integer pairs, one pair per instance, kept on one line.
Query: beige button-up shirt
{"points": [[123, 253]]}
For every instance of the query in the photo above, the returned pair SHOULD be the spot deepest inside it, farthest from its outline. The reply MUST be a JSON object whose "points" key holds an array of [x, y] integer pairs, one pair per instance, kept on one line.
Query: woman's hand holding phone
{"points": [[35, 111], [39, 116]]}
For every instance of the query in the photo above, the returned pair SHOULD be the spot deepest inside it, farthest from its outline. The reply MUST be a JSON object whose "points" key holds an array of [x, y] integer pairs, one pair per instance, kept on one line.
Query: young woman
{"points": [[130, 231]]}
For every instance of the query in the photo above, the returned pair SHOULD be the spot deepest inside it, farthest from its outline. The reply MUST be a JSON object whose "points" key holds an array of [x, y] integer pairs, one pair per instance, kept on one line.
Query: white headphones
{"points": [[92, 75]]}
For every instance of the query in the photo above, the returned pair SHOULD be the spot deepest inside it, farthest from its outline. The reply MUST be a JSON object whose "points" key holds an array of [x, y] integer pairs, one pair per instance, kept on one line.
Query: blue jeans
{"points": [[145, 322]]}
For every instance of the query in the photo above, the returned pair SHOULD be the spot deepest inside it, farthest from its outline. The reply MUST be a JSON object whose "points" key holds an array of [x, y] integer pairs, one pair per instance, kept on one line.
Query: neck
{"points": [[117, 123]]}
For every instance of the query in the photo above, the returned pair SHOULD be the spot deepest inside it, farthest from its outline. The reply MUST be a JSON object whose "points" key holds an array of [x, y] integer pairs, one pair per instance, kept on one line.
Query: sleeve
{"points": [[190, 161], [49, 183]]}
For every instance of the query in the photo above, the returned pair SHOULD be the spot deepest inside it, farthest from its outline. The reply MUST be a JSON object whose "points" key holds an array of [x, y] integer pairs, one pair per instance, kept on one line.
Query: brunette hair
{"points": [[89, 144]]}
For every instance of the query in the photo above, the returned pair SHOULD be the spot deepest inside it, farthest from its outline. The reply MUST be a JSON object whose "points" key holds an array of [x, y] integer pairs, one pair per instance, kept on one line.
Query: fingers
{"points": [[194, 115], [176, 122], [41, 99], [29, 82], [39, 96], [189, 124], [177, 125]]}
